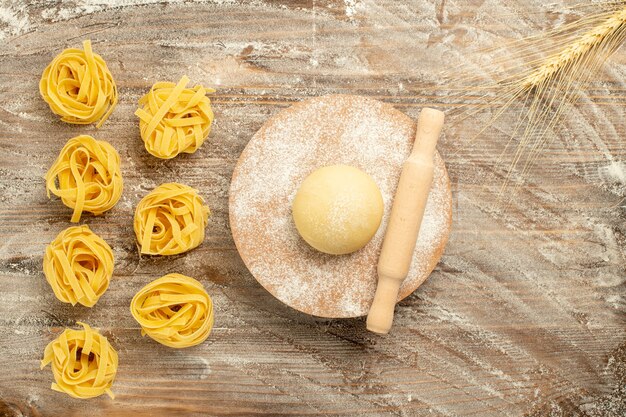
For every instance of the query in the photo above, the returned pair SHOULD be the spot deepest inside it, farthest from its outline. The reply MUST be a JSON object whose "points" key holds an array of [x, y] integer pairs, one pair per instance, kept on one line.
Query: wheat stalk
{"points": [[577, 50], [547, 86]]}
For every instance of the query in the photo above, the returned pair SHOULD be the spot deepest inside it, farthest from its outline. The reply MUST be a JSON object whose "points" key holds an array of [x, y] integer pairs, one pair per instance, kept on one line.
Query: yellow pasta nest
{"points": [[174, 310], [78, 265], [174, 119], [86, 176], [170, 220], [78, 86], [84, 364]]}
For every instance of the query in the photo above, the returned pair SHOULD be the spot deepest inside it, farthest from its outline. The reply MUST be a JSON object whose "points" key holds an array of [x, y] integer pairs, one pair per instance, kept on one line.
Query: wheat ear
{"points": [[577, 50], [547, 86]]}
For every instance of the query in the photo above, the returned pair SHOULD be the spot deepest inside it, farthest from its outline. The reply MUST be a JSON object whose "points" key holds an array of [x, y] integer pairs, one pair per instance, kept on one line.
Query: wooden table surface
{"points": [[525, 314]]}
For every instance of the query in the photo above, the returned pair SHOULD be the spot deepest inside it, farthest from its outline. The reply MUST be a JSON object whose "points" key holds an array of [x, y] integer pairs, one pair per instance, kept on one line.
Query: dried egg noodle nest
{"points": [[86, 176], [170, 220], [329, 130], [78, 86], [174, 119], [174, 310], [84, 364], [78, 265]]}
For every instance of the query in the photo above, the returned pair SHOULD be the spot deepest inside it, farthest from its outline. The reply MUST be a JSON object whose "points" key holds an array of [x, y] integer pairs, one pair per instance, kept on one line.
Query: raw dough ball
{"points": [[338, 209]]}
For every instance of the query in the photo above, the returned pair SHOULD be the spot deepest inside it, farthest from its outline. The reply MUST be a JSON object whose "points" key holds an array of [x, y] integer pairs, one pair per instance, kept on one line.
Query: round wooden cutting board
{"points": [[336, 129]]}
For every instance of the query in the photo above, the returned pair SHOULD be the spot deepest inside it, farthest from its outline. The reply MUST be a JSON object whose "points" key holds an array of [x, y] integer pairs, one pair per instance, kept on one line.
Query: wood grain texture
{"points": [[525, 314]]}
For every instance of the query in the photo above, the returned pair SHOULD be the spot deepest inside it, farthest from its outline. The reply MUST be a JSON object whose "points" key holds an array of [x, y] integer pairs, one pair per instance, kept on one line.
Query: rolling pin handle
{"points": [[380, 317]]}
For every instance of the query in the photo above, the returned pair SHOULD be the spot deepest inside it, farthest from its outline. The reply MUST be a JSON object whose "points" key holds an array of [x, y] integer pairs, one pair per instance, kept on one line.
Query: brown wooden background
{"points": [[523, 316]]}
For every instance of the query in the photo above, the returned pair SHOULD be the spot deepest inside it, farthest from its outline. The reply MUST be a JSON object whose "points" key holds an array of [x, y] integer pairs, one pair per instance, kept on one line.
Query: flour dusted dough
{"points": [[338, 209]]}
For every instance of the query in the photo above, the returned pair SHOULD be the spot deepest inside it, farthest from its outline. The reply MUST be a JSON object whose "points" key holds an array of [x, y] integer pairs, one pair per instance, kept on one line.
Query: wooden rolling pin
{"points": [[405, 220]]}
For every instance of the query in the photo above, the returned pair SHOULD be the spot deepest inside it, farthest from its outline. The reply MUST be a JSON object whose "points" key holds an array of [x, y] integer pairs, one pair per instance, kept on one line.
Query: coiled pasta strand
{"points": [[84, 363], [174, 310], [174, 119], [86, 176], [78, 265], [170, 220], [78, 86]]}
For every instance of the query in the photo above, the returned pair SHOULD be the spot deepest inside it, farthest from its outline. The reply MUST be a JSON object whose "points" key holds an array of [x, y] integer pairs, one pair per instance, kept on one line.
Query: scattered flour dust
{"points": [[324, 131], [616, 171], [351, 6], [14, 21]]}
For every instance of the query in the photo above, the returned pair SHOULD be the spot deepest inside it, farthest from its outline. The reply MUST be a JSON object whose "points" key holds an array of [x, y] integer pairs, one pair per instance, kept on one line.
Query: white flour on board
{"points": [[325, 131]]}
